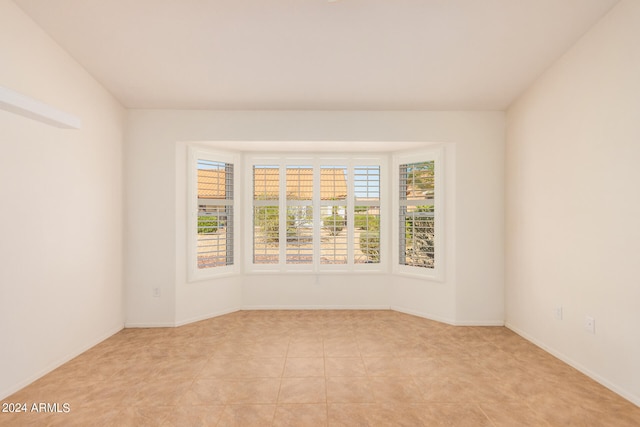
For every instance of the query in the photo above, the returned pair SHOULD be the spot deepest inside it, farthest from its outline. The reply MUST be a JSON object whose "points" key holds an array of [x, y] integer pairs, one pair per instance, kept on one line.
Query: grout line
{"points": [[326, 383], [284, 366], [485, 414]]}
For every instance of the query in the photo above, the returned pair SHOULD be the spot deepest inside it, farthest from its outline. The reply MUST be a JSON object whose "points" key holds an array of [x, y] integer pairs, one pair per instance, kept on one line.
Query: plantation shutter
{"points": [[215, 214], [333, 214], [367, 214], [417, 221]]}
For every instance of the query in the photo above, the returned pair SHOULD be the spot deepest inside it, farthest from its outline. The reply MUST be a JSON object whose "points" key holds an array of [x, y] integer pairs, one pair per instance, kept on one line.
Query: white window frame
{"points": [[196, 153], [316, 161], [436, 154]]}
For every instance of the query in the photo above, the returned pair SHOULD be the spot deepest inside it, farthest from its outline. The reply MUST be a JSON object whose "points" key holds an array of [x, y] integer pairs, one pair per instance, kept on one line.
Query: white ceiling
{"points": [[315, 54]]}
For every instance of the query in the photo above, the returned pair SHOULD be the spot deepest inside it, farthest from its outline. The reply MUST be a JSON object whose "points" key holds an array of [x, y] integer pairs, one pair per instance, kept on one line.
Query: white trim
{"points": [[71, 355], [624, 393], [497, 323], [25, 106], [206, 316], [324, 272], [424, 315], [150, 325]]}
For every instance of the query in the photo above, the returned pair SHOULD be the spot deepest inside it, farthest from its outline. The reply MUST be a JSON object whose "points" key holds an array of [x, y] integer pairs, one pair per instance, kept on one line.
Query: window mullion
{"points": [[317, 219], [350, 216]]}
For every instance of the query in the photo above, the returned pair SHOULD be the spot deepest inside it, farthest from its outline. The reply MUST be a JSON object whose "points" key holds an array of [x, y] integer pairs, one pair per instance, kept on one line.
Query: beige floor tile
{"points": [[243, 368], [270, 349], [422, 366], [379, 415], [144, 416], [304, 367], [28, 419], [464, 369], [232, 391], [179, 369], [247, 416], [301, 415], [80, 417], [341, 346], [194, 416], [161, 392], [394, 414], [557, 410], [303, 390], [458, 415], [88, 369], [374, 368], [511, 414], [305, 348], [349, 390], [345, 367], [375, 347], [110, 393], [395, 390], [387, 367], [136, 371], [349, 414], [460, 390]]}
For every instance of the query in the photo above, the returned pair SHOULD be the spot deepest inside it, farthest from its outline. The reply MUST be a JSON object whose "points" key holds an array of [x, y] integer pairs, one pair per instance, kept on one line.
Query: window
{"points": [[266, 214], [315, 214], [366, 214], [299, 215], [211, 225], [419, 229], [333, 210]]}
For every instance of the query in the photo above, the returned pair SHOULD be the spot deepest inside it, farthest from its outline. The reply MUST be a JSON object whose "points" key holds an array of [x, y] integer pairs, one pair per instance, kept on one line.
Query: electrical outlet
{"points": [[559, 312], [156, 292], [590, 324]]}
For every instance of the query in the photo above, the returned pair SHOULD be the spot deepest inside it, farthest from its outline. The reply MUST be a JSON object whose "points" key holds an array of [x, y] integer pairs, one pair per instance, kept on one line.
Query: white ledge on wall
{"points": [[17, 103]]}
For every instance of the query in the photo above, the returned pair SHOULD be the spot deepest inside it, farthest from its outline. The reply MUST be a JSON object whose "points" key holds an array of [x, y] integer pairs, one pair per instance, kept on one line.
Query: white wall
{"points": [[60, 210], [573, 233], [155, 162]]}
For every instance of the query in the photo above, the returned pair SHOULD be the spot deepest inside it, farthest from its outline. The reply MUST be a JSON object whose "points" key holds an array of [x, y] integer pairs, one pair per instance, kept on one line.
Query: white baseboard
{"points": [[479, 323], [150, 325], [625, 394], [205, 316], [423, 315], [447, 320], [75, 353]]}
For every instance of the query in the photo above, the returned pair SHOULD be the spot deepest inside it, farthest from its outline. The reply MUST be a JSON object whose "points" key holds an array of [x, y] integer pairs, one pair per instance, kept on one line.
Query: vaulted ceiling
{"points": [[316, 54]]}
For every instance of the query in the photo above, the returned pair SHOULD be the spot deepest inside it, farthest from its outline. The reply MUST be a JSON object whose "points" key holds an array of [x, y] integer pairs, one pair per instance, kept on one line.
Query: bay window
{"points": [[315, 214]]}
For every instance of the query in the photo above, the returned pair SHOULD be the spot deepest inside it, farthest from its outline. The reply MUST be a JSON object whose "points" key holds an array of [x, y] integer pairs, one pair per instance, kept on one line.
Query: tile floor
{"points": [[320, 368]]}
